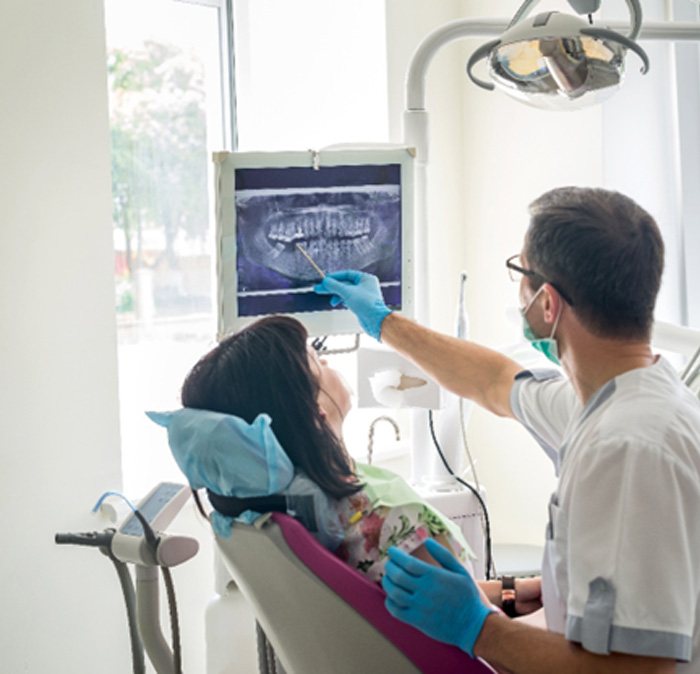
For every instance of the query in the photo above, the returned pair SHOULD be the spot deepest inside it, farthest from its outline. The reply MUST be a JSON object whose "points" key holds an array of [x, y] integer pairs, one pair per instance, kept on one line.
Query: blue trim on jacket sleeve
{"points": [[637, 641]]}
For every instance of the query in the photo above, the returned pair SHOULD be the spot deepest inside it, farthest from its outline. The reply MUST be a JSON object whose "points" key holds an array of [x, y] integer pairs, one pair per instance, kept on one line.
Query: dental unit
{"points": [[140, 541]]}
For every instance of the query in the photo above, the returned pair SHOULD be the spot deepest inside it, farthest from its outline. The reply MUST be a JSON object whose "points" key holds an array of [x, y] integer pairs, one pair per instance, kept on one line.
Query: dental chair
{"points": [[322, 616]]}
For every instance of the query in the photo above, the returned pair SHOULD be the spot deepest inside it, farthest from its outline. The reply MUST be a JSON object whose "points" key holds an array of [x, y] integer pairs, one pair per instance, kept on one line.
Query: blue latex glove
{"points": [[442, 601], [361, 294]]}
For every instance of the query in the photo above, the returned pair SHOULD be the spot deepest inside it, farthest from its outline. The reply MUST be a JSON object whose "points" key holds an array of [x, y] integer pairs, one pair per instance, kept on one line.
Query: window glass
{"points": [[165, 85], [310, 73]]}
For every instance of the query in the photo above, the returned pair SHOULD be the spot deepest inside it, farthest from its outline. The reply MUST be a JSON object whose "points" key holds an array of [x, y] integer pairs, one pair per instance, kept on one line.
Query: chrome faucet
{"points": [[370, 446]]}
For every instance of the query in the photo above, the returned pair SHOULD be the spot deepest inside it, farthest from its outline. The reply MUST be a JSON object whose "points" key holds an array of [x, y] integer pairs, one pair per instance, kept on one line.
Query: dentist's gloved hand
{"points": [[442, 601], [361, 294]]}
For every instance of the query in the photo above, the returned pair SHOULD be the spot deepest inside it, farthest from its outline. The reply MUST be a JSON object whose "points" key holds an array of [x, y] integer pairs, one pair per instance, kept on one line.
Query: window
{"points": [[167, 114], [310, 73], [170, 108]]}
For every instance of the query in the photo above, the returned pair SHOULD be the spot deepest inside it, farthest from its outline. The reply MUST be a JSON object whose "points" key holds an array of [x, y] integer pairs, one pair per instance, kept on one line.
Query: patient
{"points": [[268, 368]]}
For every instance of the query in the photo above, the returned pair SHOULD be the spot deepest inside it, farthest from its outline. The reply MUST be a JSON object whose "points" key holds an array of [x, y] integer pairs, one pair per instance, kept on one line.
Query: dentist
{"points": [[621, 571]]}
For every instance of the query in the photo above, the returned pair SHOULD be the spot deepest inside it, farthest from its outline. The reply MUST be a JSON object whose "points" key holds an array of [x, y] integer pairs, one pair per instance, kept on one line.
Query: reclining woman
{"points": [[268, 368]]}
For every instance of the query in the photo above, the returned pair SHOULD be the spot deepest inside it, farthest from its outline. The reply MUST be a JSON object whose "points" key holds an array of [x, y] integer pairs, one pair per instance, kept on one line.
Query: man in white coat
{"points": [[621, 573]]}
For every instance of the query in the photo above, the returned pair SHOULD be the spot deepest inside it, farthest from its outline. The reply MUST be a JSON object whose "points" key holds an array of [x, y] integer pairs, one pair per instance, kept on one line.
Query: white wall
{"points": [[60, 449]]}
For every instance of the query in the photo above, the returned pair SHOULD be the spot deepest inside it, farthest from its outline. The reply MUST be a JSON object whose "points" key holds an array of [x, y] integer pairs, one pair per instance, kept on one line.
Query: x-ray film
{"points": [[282, 219]]}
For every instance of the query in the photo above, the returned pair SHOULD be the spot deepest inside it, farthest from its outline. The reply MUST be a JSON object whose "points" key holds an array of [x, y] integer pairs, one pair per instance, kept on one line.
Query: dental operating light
{"points": [[559, 61]]}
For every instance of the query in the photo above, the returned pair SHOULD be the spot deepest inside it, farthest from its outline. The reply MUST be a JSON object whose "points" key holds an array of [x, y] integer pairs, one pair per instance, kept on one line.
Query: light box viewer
{"points": [[349, 209]]}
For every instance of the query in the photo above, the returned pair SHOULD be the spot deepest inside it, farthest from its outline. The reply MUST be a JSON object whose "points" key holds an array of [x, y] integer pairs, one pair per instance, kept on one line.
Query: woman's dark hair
{"points": [[265, 368], [605, 251]]}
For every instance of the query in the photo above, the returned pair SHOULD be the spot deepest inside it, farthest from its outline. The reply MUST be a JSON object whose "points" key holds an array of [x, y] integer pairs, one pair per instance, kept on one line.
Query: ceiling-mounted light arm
{"points": [[635, 17], [481, 53], [579, 6], [612, 36], [522, 12], [416, 85], [585, 6], [590, 6]]}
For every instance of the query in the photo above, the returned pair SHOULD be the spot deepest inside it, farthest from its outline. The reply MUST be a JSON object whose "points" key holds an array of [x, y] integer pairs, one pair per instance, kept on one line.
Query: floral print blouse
{"points": [[387, 512]]}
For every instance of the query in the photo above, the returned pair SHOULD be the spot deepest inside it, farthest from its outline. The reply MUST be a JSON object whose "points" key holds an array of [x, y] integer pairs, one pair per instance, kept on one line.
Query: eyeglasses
{"points": [[515, 267]]}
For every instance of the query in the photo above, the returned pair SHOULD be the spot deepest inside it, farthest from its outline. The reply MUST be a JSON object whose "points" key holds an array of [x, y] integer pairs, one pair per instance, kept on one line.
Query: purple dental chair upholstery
{"points": [[320, 615]]}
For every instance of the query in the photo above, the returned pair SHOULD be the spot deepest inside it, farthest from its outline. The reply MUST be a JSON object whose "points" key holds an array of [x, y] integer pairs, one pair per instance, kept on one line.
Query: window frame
{"points": [[686, 70], [227, 61]]}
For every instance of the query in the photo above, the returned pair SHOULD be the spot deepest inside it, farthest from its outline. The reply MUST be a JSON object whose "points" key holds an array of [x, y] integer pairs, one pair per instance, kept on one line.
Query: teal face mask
{"points": [[545, 345]]}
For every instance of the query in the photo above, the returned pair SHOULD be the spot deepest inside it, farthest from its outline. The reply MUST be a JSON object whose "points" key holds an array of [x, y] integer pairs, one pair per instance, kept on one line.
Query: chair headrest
{"points": [[226, 455], [229, 457]]}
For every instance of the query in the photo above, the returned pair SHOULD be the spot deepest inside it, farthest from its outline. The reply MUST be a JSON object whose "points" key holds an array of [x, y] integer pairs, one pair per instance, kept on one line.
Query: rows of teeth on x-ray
{"points": [[356, 233], [319, 223]]}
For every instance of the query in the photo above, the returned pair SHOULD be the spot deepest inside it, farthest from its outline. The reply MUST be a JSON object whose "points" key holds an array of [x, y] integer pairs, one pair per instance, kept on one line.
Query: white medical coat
{"points": [[622, 559]]}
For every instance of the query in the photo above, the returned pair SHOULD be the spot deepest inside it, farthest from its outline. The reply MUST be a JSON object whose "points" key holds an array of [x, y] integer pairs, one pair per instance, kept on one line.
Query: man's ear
{"points": [[551, 303]]}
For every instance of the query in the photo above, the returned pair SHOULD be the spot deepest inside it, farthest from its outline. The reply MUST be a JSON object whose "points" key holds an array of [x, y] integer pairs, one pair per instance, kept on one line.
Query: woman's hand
{"points": [[528, 595]]}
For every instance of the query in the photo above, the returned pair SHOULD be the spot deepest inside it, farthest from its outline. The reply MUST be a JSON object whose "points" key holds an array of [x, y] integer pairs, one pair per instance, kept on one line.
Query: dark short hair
{"points": [[265, 368], [604, 251]]}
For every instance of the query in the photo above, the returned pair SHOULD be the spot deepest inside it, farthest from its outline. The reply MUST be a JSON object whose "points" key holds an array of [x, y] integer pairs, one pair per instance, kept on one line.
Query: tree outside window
{"points": [[159, 181]]}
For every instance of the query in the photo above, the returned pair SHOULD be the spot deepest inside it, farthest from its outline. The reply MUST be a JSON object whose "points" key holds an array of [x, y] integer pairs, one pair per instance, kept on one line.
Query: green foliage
{"points": [[159, 157], [125, 300]]}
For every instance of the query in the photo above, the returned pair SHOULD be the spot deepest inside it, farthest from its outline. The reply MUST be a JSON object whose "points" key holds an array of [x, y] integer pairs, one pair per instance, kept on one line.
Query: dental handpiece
{"points": [[310, 260]]}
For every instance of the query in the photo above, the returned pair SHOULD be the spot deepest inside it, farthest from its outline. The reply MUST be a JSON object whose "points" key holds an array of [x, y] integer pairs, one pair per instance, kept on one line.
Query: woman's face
{"points": [[334, 393]]}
